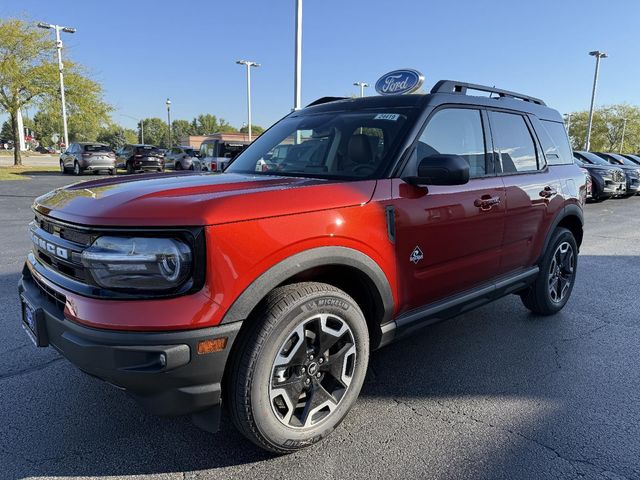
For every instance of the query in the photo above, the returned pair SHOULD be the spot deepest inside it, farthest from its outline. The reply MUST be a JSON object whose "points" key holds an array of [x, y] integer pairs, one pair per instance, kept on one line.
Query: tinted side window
{"points": [[516, 151], [560, 140], [456, 131]]}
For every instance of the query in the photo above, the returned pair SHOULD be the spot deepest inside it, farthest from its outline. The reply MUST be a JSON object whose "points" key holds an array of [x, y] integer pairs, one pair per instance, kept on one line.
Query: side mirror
{"points": [[441, 170]]}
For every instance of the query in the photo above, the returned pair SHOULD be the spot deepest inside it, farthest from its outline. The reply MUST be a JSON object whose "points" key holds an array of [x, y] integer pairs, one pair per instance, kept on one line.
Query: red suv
{"points": [[266, 290]]}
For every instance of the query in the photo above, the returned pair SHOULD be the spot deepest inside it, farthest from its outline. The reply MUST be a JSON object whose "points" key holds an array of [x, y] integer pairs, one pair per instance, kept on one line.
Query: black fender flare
{"points": [[568, 211], [315, 257]]}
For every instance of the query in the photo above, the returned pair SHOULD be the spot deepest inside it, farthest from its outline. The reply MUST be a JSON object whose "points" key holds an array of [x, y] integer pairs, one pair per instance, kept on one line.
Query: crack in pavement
{"points": [[27, 370]]}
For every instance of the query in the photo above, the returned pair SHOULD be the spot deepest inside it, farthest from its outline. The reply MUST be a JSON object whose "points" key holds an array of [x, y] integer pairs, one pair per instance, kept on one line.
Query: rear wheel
{"points": [[76, 168], [299, 368], [178, 166], [554, 284], [130, 168], [112, 171], [63, 169]]}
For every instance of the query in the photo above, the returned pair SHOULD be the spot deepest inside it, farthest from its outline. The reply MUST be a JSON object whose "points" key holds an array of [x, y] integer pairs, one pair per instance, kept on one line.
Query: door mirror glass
{"points": [[441, 169]]}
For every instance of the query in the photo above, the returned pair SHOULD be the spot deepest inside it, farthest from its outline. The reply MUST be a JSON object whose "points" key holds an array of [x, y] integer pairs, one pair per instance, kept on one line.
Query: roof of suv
{"points": [[445, 91]]}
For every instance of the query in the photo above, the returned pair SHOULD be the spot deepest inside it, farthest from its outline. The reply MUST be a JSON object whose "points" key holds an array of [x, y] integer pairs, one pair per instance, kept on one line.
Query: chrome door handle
{"points": [[486, 202], [548, 192]]}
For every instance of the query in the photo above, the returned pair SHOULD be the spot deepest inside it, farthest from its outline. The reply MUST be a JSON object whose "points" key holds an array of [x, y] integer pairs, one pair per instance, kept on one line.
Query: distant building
{"points": [[196, 140]]}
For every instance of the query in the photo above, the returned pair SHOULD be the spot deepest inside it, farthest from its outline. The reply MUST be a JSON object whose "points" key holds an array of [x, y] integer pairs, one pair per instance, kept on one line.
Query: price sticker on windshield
{"points": [[387, 116]]}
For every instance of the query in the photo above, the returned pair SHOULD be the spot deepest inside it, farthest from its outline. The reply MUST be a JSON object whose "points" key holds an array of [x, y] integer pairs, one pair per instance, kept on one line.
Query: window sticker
{"points": [[387, 116]]}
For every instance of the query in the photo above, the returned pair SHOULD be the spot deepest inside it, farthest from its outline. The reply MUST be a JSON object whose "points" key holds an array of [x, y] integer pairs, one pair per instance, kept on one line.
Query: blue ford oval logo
{"points": [[399, 81]]}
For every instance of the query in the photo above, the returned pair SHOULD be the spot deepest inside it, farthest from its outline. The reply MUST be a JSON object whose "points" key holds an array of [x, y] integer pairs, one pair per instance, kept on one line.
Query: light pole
{"points": [[568, 115], [58, 29], [297, 74], [248, 64], [624, 127], [598, 54], [168, 104], [140, 124], [362, 86]]}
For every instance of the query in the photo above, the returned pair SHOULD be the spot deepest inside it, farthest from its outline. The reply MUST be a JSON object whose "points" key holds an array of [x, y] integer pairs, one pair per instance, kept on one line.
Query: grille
{"points": [[618, 176], [58, 247], [56, 298]]}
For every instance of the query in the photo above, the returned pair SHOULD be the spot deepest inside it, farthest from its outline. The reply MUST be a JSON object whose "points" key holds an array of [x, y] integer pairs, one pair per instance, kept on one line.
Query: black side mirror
{"points": [[441, 170]]}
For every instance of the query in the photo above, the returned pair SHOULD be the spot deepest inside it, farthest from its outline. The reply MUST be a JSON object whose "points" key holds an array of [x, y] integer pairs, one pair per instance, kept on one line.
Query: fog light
{"points": [[210, 346]]}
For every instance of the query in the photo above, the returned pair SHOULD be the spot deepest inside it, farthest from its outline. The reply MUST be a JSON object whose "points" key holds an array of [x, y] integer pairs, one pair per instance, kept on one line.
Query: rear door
{"points": [[532, 192], [449, 238]]}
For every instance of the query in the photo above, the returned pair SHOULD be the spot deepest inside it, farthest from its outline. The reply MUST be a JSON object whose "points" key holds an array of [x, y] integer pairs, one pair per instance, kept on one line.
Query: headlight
{"points": [[139, 263]]}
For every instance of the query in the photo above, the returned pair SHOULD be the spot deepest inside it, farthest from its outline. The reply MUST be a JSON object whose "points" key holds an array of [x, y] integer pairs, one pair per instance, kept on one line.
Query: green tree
{"points": [[255, 130], [26, 70], [6, 133], [607, 126], [180, 129], [116, 136], [155, 132], [206, 124]]}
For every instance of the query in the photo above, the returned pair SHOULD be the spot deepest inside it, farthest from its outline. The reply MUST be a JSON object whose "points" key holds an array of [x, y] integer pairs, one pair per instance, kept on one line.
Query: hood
{"points": [[196, 199]]}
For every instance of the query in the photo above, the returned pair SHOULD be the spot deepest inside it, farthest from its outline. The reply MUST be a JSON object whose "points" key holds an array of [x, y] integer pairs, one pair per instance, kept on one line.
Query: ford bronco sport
{"points": [[265, 290]]}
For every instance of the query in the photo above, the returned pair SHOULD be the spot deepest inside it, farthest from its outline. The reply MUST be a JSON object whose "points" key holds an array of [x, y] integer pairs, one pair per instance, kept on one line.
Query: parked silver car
{"points": [[182, 158], [94, 157]]}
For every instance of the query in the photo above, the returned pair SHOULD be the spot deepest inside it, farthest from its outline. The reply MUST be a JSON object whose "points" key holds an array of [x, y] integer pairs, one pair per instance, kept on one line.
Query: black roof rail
{"points": [[322, 100], [451, 86]]}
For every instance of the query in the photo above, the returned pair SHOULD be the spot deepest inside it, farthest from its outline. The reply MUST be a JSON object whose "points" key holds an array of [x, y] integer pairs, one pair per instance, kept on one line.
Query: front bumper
{"points": [[161, 370]]}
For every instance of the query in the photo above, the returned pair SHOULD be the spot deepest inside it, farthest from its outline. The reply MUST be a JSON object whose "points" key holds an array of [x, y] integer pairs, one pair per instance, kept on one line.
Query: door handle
{"points": [[548, 192], [486, 202]]}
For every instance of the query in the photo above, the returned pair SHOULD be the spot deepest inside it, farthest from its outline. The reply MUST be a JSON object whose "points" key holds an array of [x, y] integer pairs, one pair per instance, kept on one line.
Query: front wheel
{"points": [[554, 284], [299, 368], [76, 168], [130, 168], [63, 169]]}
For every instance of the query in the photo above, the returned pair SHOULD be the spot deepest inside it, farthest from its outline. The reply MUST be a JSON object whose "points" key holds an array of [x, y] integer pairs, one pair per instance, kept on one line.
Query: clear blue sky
{"points": [[143, 51]]}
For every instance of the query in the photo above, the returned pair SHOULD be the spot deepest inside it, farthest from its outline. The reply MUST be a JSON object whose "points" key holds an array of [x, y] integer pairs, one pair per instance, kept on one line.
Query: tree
{"points": [[6, 133], [155, 132], [255, 130], [26, 71], [606, 131], [180, 129], [206, 124], [116, 136]]}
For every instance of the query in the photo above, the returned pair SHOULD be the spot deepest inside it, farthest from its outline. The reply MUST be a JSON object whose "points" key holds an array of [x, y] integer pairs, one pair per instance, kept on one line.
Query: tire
{"points": [[271, 364], [130, 169], [178, 166], [76, 168], [112, 171], [558, 270], [63, 169]]}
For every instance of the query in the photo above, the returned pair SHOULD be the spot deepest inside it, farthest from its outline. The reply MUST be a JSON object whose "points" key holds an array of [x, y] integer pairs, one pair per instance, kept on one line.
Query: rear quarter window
{"points": [[555, 143]]}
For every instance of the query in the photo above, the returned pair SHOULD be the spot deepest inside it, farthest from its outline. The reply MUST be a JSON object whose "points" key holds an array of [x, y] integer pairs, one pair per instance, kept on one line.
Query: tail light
{"points": [[214, 166], [137, 156]]}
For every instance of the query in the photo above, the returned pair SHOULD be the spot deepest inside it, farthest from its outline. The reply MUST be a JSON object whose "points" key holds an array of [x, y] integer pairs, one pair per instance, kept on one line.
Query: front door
{"points": [[449, 238]]}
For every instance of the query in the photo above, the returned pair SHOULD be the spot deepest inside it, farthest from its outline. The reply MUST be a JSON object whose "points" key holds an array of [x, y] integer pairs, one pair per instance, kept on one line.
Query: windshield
{"points": [[593, 159], [622, 160], [96, 148], [347, 144], [190, 151], [635, 159]]}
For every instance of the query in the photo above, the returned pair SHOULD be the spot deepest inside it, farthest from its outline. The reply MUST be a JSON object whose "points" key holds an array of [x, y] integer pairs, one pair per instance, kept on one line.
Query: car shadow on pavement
{"points": [[502, 388]]}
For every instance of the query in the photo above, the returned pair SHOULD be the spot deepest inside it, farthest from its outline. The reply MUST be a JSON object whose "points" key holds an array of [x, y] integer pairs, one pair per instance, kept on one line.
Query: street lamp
{"points": [[168, 104], [140, 123], [598, 54], [297, 73], [362, 86], [568, 120], [248, 64], [58, 29]]}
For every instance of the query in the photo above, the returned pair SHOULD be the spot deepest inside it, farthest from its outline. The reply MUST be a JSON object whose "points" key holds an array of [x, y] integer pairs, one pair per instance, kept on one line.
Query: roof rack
{"points": [[322, 100], [451, 86]]}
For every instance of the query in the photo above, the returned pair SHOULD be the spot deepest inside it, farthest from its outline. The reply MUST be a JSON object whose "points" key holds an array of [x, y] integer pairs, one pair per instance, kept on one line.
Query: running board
{"points": [[456, 304]]}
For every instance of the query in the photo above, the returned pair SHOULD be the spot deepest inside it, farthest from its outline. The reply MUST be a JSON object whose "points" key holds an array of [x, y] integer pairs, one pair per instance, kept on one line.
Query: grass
{"points": [[22, 173]]}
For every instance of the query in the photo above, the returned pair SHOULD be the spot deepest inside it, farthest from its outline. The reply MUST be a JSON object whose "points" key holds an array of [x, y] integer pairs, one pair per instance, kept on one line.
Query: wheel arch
{"points": [[350, 270], [571, 218]]}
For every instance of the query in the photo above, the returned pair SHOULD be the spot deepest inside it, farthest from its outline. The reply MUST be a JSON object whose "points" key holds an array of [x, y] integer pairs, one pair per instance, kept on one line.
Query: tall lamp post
{"points": [[248, 64], [297, 73], [362, 86], [598, 54], [140, 123], [568, 117], [58, 29], [168, 104]]}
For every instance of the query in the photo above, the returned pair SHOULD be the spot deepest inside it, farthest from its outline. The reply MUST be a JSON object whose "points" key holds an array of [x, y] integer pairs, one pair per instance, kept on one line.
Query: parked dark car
{"points": [[94, 157], [634, 158], [607, 181], [45, 150], [631, 170], [136, 158]]}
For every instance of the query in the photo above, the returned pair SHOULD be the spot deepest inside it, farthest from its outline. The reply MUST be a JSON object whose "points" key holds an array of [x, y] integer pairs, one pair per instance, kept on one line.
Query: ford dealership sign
{"points": [[399, 81]]}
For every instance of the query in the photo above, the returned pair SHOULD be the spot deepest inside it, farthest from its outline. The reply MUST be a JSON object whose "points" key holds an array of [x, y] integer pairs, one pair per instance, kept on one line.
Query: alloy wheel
{"points": [[561, 272], [312, 371]]}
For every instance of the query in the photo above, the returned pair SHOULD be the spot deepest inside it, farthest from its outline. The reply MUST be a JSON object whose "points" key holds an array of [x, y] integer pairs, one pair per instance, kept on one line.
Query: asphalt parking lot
{"points": [[493, 394]]}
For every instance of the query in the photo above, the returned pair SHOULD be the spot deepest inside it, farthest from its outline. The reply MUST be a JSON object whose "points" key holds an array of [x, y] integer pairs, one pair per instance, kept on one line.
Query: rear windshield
{"points": [[96, 148], [190, 151], [148, 150], [342, 144]]}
